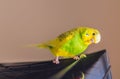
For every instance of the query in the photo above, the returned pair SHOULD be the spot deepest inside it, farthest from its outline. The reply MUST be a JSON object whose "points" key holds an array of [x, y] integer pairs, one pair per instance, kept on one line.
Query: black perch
{"points": [[95, 66]]}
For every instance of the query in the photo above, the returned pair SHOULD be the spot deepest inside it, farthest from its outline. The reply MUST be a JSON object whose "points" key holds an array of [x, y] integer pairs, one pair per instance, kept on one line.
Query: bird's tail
{"points": [[37, 45]]}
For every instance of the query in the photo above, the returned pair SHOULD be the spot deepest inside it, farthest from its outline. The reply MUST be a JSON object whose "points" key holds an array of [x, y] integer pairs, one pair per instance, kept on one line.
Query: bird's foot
{"points": [[56, 60], [76, 57], [83, 56]]}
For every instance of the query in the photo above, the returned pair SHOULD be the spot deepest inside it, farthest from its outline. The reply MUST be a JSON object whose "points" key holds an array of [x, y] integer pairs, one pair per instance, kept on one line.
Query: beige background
{"points": [[24, 22]]}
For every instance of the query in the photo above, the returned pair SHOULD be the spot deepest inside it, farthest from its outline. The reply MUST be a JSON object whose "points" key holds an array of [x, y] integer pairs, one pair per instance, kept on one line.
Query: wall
{"points": [[24, 22]]}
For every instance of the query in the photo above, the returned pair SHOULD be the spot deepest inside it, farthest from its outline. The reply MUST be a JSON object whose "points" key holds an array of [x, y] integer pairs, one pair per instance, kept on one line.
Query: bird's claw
{"points": [[81, 56], [56, 62], [76, 58]]}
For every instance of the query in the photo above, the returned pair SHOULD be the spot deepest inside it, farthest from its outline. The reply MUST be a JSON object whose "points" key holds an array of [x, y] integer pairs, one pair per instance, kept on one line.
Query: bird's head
{"points": [[90, 35]]}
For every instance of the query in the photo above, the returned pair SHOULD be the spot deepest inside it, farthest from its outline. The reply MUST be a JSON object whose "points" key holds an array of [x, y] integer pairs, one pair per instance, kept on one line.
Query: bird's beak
{"points": [[97, 39]]}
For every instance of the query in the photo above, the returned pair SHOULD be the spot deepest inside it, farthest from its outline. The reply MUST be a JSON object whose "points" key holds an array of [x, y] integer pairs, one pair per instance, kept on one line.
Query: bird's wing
{"points": [[62, 38], [66, 36]]}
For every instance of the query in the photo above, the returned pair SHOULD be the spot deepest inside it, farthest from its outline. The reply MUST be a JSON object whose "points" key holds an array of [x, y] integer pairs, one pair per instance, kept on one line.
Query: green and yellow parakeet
{"points": [[72, 43]]}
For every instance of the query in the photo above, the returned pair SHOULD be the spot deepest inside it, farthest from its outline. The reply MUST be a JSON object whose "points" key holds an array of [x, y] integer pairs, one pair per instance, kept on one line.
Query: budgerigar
{"points": [[72, 43]]}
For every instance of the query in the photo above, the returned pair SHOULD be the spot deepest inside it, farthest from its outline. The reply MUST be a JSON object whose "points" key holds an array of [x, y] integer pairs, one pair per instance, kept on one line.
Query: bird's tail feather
{"points": [[37, 45]]}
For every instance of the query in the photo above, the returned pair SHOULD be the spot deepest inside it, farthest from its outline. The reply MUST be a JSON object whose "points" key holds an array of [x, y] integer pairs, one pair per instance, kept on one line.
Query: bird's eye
{"points": [[87, 34], [93, 34]]}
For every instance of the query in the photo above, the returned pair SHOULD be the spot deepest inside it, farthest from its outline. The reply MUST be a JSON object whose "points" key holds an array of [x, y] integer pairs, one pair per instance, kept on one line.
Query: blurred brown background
{"points": [[24, 22]]}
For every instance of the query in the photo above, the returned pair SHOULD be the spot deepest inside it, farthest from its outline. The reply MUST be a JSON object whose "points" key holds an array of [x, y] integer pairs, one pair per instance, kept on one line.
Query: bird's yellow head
{"points": [[90, 35]]}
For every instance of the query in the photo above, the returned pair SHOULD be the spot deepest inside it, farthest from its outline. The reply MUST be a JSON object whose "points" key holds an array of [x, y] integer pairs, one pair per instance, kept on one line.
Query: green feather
{"points": [[74, 46]]}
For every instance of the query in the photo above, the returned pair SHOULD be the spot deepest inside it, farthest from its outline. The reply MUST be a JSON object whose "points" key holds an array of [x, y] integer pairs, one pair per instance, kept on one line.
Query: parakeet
{"points": [[72, 43]]}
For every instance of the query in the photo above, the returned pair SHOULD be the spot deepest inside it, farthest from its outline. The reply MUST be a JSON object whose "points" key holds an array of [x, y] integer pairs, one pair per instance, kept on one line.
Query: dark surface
{"points": [[95, 66]]}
